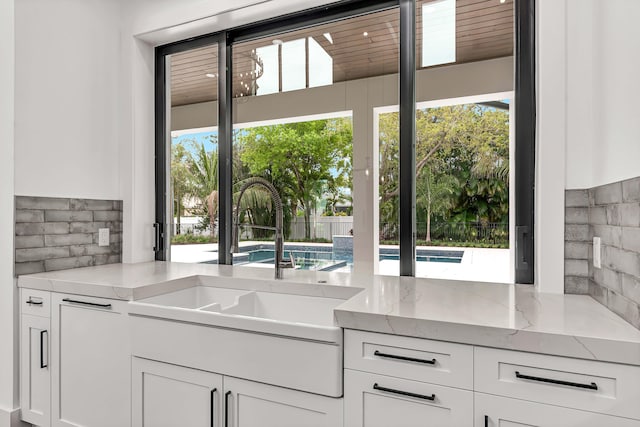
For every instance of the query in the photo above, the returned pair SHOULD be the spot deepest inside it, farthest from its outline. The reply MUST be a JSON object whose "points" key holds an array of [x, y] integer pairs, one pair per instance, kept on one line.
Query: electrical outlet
{"points": [[103, 237], [597, 253]]}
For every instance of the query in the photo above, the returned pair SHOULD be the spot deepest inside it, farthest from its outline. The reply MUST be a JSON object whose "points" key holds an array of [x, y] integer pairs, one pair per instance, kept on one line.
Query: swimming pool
{"points": [[321, 258]]}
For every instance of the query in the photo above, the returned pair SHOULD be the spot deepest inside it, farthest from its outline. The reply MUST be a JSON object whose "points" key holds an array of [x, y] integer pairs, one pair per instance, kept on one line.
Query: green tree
{"points": [[181, 180], [203, 166], [462, 158], [302, 159]]}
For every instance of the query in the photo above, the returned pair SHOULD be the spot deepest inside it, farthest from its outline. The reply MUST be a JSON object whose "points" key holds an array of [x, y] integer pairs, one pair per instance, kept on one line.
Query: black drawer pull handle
{"points": [[42, 364], [404, 393], [226, 408], [93, 304], [486, 421], [32, 302], [408, 359], [213, 394], [592, 386]]}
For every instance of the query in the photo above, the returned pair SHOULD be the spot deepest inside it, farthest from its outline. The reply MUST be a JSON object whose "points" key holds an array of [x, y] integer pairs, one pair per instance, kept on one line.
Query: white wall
{"points": [[8, 321], [616, 151], [551, 145], [67, 79], [603, 142]]}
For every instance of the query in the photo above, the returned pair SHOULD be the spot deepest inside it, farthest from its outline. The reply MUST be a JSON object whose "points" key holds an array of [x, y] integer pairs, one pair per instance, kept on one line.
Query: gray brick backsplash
{"points": [[41, 203], [67, 263], [68, 216], [631, 287], [68, 239], [29, 229], [576, 267], [625, 308], [576, 233], [631, 239], [94, 205], [30, 215], [621, 260], [29, 267], [58, 234], [598, 292], [630, 214], [576, 215], [576, 250], [24, 242], [106, 216], [87, 227], [609, 235], [576, 285], [39, 254], [55, 227], [608, 194], [598, 215], [631, 190], [577, 199], [614, 216]]}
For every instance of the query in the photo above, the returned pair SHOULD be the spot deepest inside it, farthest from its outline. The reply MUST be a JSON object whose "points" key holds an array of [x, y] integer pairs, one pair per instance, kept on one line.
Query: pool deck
{"points": [[478, 264]]}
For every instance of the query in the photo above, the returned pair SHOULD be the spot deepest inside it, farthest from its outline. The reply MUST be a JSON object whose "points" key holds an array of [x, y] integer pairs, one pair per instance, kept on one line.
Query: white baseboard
{"points": [[11, 418]]}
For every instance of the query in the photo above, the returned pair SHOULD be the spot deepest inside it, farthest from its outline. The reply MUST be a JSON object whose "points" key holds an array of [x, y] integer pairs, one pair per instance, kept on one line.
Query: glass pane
{"points": [[316, 146], [464, 139], [294, 59], [193, 180]]}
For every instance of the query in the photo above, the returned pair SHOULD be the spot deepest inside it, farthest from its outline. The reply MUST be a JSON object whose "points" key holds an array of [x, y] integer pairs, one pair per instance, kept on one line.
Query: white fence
{"points": [[322, 227]]}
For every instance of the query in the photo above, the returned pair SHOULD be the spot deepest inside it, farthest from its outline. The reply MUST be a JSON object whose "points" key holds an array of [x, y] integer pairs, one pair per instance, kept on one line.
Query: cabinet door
{"points": [[380, 401], [90, 362], [252, 404], [35, 379], [166, 395], [495, 411]]}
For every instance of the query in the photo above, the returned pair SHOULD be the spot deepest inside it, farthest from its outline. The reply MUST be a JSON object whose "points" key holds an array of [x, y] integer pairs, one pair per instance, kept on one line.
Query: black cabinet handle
{"points": [[32, 302], [405, 393], [408, 359], [213, 402], [486, 421], [93, 304], [226, 408], [42, 364], [592, 386]]}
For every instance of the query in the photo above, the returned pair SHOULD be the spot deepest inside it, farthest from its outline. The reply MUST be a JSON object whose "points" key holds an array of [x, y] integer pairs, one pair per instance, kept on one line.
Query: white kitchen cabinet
{"points": [[252, 404], [90, 362], [373, 400], [35, 378], [496, 411], [166, 395]]}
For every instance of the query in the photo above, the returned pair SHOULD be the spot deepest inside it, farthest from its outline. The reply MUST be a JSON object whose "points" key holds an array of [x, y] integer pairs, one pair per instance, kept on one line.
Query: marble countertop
{"points": [[495, 315]]}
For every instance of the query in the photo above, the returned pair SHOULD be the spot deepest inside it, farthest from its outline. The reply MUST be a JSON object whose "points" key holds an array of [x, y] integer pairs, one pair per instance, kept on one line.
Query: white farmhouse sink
{"points": [[197, 297], [284, 339], [290, 315]]}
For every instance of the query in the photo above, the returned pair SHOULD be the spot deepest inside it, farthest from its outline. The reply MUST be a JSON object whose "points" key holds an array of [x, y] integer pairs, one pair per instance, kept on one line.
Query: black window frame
{"points": [[525, 110]]}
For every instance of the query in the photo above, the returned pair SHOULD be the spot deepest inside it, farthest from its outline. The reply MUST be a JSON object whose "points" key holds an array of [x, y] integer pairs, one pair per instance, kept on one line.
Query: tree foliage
{"points": [[462, 165], [303, 160]]}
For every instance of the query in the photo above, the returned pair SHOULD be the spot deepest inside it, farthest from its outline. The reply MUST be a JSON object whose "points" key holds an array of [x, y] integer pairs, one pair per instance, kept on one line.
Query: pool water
{"points": [[314, 258]]}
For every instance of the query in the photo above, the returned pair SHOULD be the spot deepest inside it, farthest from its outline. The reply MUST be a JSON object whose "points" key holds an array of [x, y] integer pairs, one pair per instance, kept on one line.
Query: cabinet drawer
{"points": [[380, 401], [411, 358], [606, 388], [495, 411], [35, 303]]}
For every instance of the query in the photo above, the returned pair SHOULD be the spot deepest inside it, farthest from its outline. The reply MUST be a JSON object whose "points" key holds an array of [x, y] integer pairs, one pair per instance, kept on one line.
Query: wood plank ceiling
{"points": [[484, 30]]}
